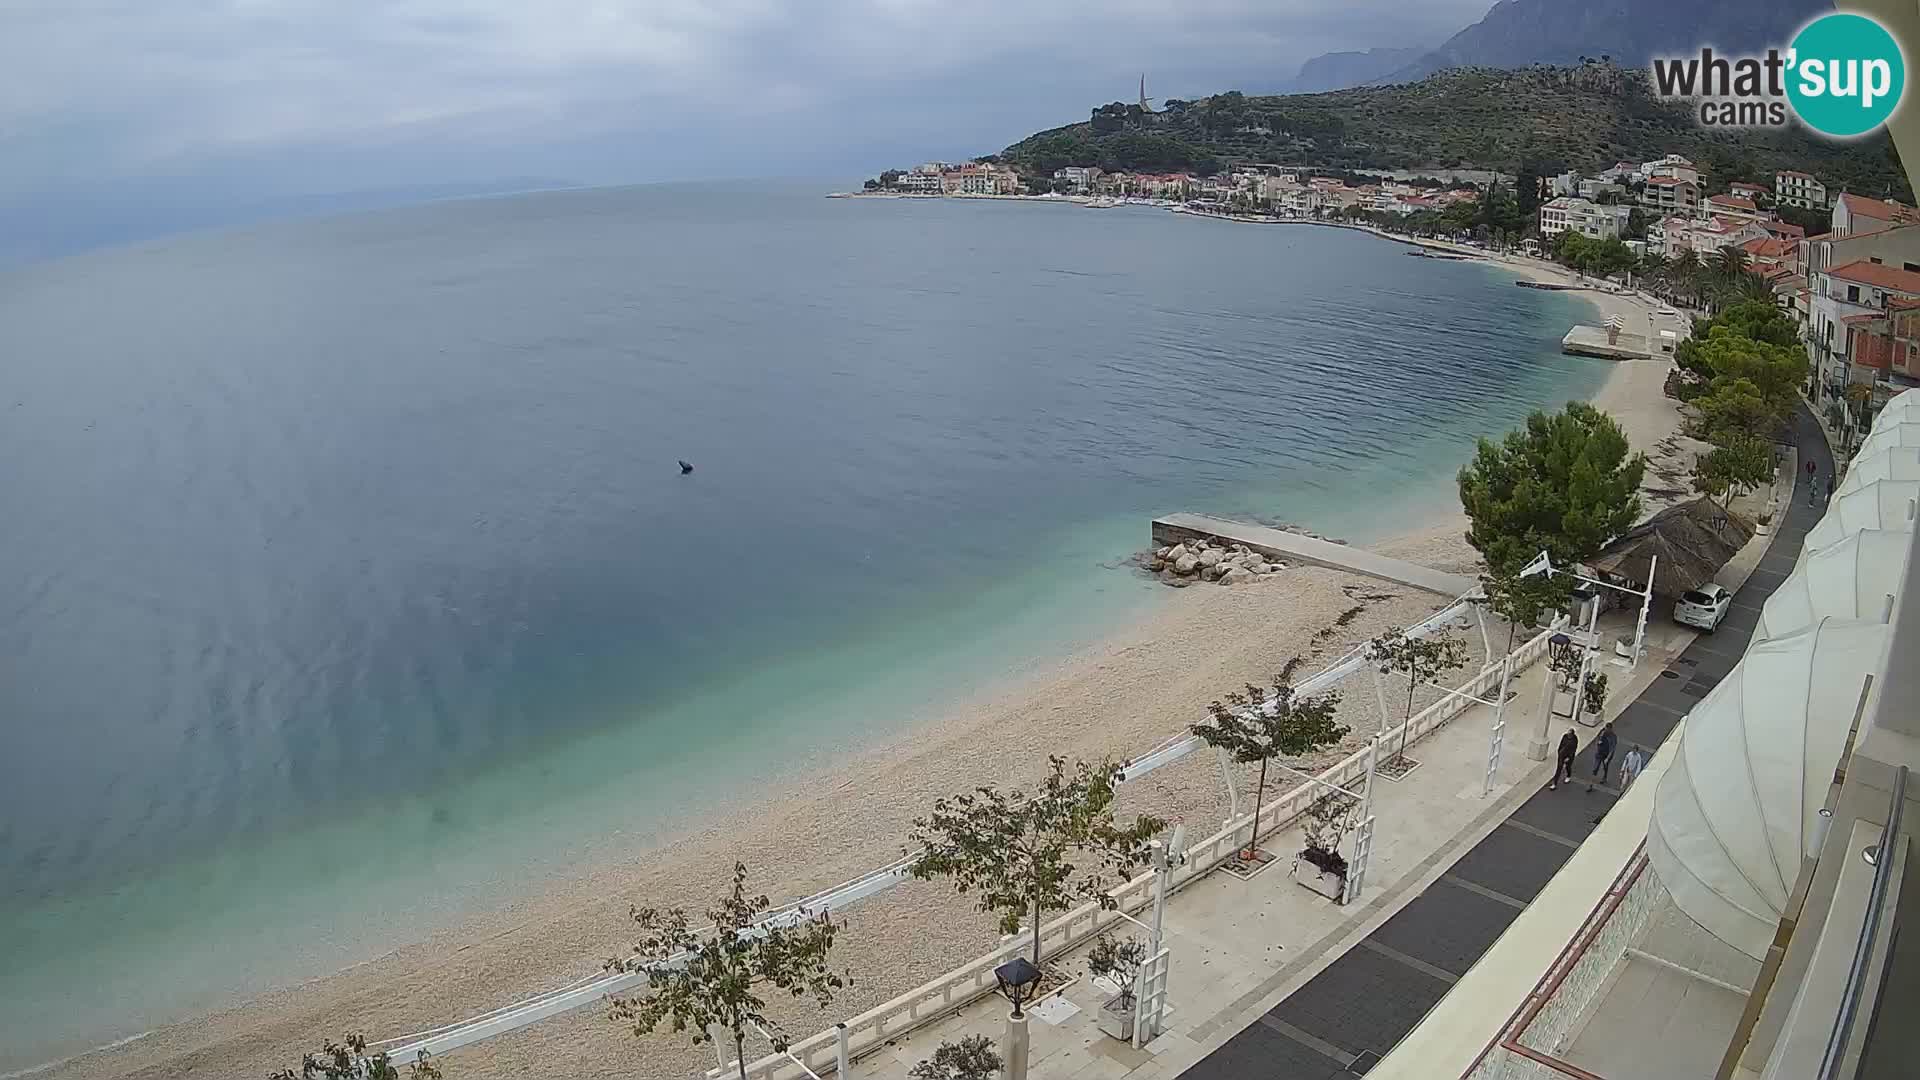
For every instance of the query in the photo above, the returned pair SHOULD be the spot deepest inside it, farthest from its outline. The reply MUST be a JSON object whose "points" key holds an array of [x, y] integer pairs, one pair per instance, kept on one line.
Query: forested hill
{"points": [[1554, 118]]}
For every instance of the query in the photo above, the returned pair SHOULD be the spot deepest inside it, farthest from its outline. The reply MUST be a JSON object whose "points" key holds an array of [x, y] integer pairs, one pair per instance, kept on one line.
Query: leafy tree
{"points": [[1594, 698], [348, 1060], [1519, 600], [718, 980], [972, 1058], [1419, 659], [1261, 725], [1740, 465], [1119, 960], [1018, 851], [1733, 408], [1565, 484]]}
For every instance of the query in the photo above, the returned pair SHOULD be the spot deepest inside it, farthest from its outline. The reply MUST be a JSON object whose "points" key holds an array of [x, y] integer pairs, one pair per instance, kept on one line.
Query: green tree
{"points": [[1732, 408], [1519, 600], [349, 1060], [1740, 465], [1261, 725], [972, 1058], [1565, 484], [1419, 659], [1028, 854], [716, 977], [1119, 960]]}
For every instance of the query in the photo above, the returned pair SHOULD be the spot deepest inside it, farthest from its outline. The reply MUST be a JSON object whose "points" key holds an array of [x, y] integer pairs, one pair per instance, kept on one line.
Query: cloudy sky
{"points": [[253, 99]]}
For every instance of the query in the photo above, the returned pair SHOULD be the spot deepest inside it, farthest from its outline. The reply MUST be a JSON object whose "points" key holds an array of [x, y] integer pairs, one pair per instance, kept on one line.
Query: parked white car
{"points": [[1703, 608]]}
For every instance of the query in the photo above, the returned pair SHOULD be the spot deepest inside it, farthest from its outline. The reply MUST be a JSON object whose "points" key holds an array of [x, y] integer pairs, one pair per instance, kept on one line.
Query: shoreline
{"points": [[1117, 695]]}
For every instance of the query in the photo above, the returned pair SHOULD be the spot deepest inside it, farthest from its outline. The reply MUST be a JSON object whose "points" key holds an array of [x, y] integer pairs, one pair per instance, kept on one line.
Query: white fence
{"points": [[957, 988]]}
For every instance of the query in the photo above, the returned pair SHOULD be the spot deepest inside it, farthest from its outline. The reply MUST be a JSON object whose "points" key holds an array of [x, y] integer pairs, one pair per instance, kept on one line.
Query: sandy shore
{"points": [[1115, 698]]}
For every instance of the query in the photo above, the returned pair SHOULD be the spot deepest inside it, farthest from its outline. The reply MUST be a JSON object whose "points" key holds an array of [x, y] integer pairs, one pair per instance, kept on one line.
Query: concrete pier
{"points": [[1586, 340], [1294, 548]]}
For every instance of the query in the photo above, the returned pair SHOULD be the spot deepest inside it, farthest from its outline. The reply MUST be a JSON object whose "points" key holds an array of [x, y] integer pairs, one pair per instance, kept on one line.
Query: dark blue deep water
{"points": [[361, 542]]}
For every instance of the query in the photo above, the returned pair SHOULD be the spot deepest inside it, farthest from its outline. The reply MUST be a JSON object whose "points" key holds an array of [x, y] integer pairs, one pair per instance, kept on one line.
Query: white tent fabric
{"points": [[1901, 406], [1740, 807], [1901, 463], [1888, 432], [1848, 580], [1878, 504]]}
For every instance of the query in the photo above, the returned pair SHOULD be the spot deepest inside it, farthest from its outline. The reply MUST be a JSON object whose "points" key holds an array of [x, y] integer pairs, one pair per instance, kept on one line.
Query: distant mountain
{"points": [[1516, 33], [1339, 70], [1585, 117]]}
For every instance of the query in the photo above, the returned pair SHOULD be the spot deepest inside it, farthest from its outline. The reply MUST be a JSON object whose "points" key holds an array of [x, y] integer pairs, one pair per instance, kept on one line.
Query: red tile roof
{"points": [[1878, 209], [1732, 202], [1794, 173], [1663, 181], [1883, 277], [1784, 229], [1768, 247]]}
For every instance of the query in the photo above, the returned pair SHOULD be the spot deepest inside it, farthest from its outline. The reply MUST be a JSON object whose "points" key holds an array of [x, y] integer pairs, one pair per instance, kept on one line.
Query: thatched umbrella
{"points": [[1692, 539]]}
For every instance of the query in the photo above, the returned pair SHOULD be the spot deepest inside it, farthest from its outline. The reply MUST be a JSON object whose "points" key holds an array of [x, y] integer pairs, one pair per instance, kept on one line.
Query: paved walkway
{"points": [[1352, 1013], [1293, 547]]}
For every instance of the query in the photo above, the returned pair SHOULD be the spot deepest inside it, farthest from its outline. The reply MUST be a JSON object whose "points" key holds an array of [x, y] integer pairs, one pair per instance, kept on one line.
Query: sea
{"points": [[349, 580]]}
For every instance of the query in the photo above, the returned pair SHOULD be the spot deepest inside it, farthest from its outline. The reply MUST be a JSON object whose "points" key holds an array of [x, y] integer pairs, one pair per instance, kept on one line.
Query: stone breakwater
{"points": [[1202, 560]]}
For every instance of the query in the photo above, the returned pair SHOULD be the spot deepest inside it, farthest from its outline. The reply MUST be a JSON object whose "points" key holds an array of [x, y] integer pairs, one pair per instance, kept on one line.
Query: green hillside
{"points": [[1554, 118]]}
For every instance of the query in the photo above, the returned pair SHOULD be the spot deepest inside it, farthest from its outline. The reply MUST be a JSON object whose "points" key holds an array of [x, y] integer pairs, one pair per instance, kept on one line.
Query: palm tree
{"points": [[1653, 269], [1729, 263], [1752, 285], [1683, 273]]}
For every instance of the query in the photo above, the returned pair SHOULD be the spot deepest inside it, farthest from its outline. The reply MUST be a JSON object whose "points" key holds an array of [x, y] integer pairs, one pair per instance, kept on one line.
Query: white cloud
{"points": [[124, 86]]}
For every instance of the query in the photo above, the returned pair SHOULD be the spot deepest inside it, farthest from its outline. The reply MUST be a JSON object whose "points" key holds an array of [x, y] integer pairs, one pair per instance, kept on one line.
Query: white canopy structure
{"points": [[1878, 504], [1900, 463], [1889, 431], [1740, 807], [1850, 580], [1902, 406]]}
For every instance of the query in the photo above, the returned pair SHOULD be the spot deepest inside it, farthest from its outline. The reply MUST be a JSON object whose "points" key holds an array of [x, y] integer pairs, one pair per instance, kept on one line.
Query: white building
{"points": [[1082, 177], [1736, 207], [1671, 193], [1567, 214], [1673, 165], [1798, 189], [919, 183]]}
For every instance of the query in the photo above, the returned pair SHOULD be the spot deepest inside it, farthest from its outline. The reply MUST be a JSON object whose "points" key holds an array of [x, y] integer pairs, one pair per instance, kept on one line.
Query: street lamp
{"points": [[1018, 980], [1541, 564]]}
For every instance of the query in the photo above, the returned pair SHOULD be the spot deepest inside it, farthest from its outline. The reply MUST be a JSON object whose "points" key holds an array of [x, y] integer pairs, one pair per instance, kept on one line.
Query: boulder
{"points": [[1235, 575], [1185, 564], [1258, 567], [1210, 557], [1212, 573], [1175, 553], [1156, 565], [1162, 553]]}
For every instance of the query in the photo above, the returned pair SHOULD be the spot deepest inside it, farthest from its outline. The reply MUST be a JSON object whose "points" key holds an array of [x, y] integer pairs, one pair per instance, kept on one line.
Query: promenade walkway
{"points": [[1295, 548], [1349, 1015]]}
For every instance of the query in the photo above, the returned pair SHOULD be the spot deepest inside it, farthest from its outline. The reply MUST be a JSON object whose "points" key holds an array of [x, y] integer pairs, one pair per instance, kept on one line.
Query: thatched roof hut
{"points": [[1693, 540]]}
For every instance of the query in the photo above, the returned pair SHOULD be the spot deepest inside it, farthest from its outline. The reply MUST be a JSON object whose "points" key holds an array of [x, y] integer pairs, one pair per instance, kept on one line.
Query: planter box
{"points": [[1117, 1020], [1331, 886]]}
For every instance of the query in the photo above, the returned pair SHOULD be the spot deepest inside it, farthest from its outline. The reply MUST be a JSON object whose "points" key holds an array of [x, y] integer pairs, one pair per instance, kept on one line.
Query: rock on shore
{"points": [[1199, 560]]}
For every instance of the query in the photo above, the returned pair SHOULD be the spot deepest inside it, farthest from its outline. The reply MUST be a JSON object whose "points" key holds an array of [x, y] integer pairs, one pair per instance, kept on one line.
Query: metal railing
{"points": [[1857, 977]]}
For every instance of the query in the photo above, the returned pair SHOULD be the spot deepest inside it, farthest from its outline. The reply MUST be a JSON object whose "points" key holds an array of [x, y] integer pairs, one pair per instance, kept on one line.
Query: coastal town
{"points": [[1845, 265]]}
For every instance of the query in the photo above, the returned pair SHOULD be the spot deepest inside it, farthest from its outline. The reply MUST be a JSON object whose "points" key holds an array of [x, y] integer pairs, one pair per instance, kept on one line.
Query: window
{"points": [[1853, 294]]}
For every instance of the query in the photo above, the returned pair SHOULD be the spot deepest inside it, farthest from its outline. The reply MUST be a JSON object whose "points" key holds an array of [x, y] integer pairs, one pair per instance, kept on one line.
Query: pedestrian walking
{"points": [[1603, 753], [1563, 760], [1631, 765]]}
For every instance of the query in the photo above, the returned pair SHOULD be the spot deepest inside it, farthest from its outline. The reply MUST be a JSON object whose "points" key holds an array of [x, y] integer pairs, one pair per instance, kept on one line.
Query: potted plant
{"points": [[1326, 823], [972, 1058], [1118, 961], [1595, 695]]}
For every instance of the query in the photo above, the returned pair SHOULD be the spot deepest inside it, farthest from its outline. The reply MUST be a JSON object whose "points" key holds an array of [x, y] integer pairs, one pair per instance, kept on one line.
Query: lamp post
{"points": [[1559, 649], [1541, 564], [1018, 979]]}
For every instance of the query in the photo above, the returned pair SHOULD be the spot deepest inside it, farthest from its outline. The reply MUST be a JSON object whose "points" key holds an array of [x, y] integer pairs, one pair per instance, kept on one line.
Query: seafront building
{"points": [[1791, 188], [1568, 214]]}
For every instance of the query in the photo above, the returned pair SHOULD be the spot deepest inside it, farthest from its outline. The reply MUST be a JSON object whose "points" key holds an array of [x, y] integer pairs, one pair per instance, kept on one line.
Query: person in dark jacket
{"points": [[1603, 747], [1563, 765]]}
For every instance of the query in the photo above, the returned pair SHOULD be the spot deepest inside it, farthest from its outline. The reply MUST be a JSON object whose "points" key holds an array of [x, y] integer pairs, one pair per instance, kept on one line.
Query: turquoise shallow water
{"points": [[360, 542]]}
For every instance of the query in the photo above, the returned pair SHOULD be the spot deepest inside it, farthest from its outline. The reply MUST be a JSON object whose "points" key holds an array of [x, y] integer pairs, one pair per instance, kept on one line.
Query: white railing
{"points": [[960, 987]]}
